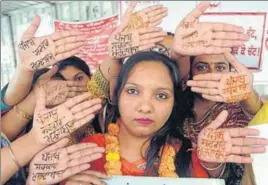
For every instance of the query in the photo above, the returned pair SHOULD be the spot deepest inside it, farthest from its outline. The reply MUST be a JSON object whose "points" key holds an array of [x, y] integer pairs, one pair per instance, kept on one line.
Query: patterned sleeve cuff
{"points": [[98, 85]]}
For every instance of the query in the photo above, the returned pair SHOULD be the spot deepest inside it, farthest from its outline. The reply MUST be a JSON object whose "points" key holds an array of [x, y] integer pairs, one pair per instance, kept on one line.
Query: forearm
{"points": [[24, 150], [13, 121], [110, 68], [19, 86], [253, 104]]}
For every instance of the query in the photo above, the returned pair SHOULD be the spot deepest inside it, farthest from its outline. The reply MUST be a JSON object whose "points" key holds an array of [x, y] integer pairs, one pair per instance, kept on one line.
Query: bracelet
{"points": [[211, 169], [13, 156], [22, 113], [222, 172]]}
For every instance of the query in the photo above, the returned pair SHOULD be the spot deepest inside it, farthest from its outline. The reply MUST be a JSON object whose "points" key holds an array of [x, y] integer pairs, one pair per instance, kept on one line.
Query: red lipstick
{"points": [[144, 121]]}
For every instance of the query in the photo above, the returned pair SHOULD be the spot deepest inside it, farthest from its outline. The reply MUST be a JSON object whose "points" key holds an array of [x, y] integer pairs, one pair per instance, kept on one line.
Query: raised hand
{"points": [[150, 16], [224, 87], [40, 52], [50, 125], [196, 38], [58, 162], [228, 144], [58, 91], [123, 42]]}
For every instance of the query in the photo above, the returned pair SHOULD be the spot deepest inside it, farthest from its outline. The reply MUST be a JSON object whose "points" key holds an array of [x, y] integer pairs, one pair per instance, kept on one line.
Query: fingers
{"points": [[76, 147], [87, 105], [202, 90], [150, 30], [214, 50], [225, 43], [208, 76], [69, 47], [83, 121], [50, 73], [83, 177], [68, 54], [76, 100], [197, 12], [235, 63], [205, 84], [146, 47], [229, 36], [238, 159], [215, 98], [89, 111], [31, 30], [75, 170], [72, 39], [63, 34], [60, 144], [97, 174], [84, 159], [158, 17], [226, 27], [241, 132], [219, 120], [87, 151], [151, 41], [248, 141], [247, 150], [153, 8]]}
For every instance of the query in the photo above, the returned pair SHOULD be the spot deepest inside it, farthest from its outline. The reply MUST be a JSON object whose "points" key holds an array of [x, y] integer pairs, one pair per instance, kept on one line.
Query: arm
{"points": [[37, 53], [252, 104], [20, 82], [23, 156], [13, 122]]}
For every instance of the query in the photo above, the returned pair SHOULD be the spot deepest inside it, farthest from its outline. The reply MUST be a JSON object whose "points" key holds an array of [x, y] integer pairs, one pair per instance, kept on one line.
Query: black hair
{"points": [[170, 33], [158, 140], [76, 62]]}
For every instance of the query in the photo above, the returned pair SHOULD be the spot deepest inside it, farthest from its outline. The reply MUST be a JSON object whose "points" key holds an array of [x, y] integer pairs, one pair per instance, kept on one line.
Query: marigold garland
{"points": [[113, 164]]}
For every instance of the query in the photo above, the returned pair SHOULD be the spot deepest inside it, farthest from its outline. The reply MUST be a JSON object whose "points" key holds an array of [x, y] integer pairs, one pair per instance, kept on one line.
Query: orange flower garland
{"points": [[113, 164]]}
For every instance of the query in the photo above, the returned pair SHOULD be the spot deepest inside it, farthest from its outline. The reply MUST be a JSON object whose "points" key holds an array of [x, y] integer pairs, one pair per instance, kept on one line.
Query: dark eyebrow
{"points": [[77, 74], [160, 88]]}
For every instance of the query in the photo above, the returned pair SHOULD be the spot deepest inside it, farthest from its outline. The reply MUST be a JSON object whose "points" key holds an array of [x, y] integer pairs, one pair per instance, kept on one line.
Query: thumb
{"points": [[31, 30], [219, 120], [49, 73], [40, 99]]}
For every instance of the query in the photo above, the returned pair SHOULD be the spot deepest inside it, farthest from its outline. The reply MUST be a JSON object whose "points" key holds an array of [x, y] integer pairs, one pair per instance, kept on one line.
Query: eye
{"points": [[220, 68], [161, 96], [79, 78], [132, 91], [201, 67]]}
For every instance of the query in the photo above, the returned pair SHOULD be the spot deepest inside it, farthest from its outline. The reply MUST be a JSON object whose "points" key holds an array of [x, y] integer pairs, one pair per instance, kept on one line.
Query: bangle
{"points": [[13, 156], [211, 169], [22, 113], [222, 172]]}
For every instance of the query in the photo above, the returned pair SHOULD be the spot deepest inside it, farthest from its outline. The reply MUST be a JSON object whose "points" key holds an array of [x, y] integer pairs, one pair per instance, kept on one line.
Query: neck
{"points": [[132, 148]]}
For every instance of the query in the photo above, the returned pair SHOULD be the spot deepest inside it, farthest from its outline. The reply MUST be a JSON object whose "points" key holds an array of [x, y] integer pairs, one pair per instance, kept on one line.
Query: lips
{"points": [[144, 121]]}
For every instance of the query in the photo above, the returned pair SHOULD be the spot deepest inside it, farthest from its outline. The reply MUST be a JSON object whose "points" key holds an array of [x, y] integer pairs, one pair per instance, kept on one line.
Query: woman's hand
{"points": [[224, 87], [51, 125], [58, 162], [39, 52], [221, 145], [196, 38]]}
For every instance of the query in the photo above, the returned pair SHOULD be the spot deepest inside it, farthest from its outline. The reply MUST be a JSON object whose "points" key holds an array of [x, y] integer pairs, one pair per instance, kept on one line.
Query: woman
{"points": [[144, 140], [144, 110]]}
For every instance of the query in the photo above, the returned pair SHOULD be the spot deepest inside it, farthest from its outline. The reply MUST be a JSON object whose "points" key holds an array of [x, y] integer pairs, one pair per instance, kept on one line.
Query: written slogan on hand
{"points": [[124, 45], [237, 88], [55, 126]]}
